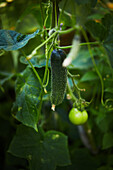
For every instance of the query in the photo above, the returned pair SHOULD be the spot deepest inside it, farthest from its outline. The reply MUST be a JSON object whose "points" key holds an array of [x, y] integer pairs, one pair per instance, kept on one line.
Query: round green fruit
{"points": [[84, 116], [77, 117]]}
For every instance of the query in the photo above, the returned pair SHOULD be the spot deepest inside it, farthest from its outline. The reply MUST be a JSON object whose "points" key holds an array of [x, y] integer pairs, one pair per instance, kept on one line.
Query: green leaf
{"points": [[83, 59], [107, 21], [12, 40], [97, 30], [104, 120], [27, 92], [107, 140], [92, 2], [8, 76], [108, 43], [89, 76], [82, 159], [43, 150], [109, 90], [81, 9], [37, 61]]}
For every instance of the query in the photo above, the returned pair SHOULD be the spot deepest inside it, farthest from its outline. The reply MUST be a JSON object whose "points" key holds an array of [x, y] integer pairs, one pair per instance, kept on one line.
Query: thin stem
{"points": [[90, 51], [72, 76], [55, 33], [89, 43], [47, 79], [47, 61], [75, 86], [44, 79], [81, 44], [61, 13], [69, 30], [70, 92], [47, 11], [41, 45], [108, 60], [55, 13], [42, 14], [34, 70]]}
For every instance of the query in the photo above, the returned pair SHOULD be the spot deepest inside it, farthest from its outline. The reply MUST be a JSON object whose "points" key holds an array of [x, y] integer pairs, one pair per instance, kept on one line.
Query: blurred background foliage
{"points": [[91, 145]]}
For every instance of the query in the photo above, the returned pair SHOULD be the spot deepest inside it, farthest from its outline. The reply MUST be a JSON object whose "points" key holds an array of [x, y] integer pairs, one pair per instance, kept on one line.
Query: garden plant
{"points": [[56, 85]]}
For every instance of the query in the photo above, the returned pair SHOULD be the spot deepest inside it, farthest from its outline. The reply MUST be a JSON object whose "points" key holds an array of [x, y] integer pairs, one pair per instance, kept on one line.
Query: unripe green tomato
{"points": [[84, 116], [77, 117]]}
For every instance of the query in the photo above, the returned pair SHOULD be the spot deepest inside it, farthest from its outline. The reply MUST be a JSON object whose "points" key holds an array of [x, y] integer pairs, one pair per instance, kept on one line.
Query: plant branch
{"points": [[81, 44], [47, 12], [70, 92], [69, 30], [41, 45], [60, 16], [41, 11]]}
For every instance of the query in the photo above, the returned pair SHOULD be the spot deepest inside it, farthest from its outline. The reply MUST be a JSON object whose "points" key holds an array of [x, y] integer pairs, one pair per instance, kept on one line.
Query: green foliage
{"points": [[11, 40], [27, 98], [32, 136], [107, 140], [97, 30], [42, 150]]}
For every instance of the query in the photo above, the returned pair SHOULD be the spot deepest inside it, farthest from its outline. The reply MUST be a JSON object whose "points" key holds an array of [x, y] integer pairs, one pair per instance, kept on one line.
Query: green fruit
{"points": [[58, 77], [77, 117], [84, 116]]}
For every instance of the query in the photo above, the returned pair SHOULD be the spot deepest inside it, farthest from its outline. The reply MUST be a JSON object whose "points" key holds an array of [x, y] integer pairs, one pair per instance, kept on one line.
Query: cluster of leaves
{"points": [[23, 145]]}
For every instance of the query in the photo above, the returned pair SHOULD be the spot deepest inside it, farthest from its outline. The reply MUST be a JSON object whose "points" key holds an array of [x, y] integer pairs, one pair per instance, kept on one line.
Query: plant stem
{"points": [[70, 92], [69, 30], [44, 79], [90, 51], [47, 11], [81, 44], [59, 20], [41, 45], [42, 14], [54, 34], [107, 58], [34, 70], [55, 7]]}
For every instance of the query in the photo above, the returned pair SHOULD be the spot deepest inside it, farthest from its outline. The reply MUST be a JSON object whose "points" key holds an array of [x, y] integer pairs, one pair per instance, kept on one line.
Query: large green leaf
{"points": [[89, 76], [97, 30], [81, 9], [12, 40], [42, 150], [83, 59], [82, 160], [27, 92], [107, 21], [108, 140]]}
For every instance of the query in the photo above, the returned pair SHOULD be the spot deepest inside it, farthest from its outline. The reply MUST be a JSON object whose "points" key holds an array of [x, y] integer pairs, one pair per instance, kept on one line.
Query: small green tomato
{"points": [[77, 117]]}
